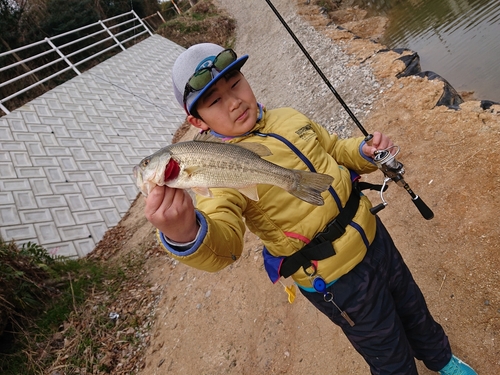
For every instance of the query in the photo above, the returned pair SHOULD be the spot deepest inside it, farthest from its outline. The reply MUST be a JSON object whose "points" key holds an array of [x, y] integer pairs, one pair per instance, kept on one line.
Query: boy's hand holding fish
{"points": [[172, 212]]}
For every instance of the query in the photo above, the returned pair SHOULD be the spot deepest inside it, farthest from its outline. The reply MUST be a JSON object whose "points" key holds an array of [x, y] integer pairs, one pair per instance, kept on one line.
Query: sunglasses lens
{"points": [[203, 76], [224, 59], [200, 79]]}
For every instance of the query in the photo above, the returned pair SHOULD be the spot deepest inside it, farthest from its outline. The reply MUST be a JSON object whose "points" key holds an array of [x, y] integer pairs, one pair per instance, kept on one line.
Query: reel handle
{"points": [[394, 170], [379, 207]]}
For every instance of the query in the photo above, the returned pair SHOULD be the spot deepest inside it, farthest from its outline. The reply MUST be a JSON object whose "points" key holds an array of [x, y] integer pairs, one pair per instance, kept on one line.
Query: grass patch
{"points": [[328, 5], [66, 313], [203, 23]]}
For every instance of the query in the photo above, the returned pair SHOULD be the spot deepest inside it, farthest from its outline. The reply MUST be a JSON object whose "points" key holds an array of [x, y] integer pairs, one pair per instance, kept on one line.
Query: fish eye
{"points": [[145, 162]]}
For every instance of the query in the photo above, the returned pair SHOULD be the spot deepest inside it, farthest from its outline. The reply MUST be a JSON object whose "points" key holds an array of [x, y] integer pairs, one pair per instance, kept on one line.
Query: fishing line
{"points": [[368, 136], [133, 94]]}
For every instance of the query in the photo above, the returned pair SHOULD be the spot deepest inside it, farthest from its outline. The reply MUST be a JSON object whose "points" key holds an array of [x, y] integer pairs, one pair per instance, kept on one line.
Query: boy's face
{"points": [[229, 107]]}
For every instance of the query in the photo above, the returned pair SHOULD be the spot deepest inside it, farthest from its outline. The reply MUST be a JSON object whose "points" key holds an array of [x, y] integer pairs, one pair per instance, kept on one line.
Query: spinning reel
{"points": [[393, 170]]}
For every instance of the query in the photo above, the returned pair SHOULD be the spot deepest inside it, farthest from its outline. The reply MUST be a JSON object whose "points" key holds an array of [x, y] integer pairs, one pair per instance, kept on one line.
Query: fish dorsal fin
{"points": [[257, 148], [206, 136]]}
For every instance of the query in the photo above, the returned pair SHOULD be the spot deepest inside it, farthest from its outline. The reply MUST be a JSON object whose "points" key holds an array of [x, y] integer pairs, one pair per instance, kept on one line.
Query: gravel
{"points": [[282, 76]]}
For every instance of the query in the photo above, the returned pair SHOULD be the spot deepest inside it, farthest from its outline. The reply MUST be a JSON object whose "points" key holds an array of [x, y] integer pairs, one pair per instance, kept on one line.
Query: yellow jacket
{"points": [[283, 222]]}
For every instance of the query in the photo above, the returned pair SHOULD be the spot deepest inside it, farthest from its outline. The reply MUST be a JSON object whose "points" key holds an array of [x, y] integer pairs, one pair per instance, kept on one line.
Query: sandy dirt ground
{"points": [[237, 322]]}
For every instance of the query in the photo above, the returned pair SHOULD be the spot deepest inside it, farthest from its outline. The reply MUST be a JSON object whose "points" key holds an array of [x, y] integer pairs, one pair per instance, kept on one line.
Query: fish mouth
{"points": [[139, 178], [137, 172]]}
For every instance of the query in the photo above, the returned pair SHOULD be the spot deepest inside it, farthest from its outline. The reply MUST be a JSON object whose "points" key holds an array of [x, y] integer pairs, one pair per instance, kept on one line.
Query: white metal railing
{"points": [[116, 33]]}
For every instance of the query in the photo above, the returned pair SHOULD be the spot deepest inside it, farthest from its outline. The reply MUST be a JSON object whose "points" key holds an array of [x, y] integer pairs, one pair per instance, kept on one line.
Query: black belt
{"points": [[321, 246]]}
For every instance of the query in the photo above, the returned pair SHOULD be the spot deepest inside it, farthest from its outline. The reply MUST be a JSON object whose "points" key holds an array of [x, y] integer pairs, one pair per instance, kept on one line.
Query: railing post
{"points": [[142, 23], [176, 7], [163, 19], [54, 47], [4, 109], [147, 23], [112, 35]]}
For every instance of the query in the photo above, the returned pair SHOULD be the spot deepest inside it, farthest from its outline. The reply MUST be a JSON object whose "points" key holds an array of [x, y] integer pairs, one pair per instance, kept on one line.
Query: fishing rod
{"points": [[385, 160]]}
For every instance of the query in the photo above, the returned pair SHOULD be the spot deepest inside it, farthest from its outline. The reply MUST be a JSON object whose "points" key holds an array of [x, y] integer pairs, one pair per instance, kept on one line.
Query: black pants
{"points": [[392, 322]]}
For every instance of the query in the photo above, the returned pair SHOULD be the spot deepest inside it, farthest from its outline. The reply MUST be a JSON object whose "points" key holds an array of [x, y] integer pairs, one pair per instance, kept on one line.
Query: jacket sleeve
{"points": [[346, 152], [220, 241]]}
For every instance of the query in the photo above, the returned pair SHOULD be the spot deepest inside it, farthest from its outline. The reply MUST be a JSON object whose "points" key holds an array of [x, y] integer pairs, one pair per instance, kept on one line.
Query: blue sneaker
{"points": [[457, 367]]}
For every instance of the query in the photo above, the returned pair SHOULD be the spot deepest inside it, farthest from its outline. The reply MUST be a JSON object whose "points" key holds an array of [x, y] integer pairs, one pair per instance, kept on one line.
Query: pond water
{"points": [[457, 39]]}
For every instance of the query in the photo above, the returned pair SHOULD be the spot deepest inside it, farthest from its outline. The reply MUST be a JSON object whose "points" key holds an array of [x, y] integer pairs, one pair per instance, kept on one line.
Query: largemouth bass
{"points": [[201, 164]]}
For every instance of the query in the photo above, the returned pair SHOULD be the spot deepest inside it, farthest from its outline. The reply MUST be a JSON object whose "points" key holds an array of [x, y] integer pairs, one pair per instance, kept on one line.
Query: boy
{"points": [[339, 254]]}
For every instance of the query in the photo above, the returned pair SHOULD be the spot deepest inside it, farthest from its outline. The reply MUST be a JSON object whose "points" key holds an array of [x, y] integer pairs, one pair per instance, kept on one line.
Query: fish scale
{"points": [[222, 164]]}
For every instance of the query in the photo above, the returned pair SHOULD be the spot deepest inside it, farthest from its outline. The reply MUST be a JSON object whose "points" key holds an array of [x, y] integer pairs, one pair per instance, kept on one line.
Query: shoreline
{"points": [[357, 21]]}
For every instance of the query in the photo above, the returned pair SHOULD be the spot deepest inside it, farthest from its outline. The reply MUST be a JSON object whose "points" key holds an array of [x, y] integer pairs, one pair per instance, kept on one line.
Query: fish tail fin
{"points": [[310, 186]]}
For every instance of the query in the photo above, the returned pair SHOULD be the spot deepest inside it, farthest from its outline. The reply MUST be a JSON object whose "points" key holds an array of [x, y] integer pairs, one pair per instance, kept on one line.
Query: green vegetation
{"points": [[328, 5], [203, 23], [39, 295]]}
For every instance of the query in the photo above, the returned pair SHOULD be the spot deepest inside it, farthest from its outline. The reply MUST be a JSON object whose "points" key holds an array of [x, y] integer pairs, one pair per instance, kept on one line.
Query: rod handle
{"points": [[423, 208]]}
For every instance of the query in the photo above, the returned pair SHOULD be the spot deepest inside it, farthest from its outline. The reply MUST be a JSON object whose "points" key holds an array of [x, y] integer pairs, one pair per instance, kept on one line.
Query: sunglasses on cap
{"points": [[204, 76]]}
